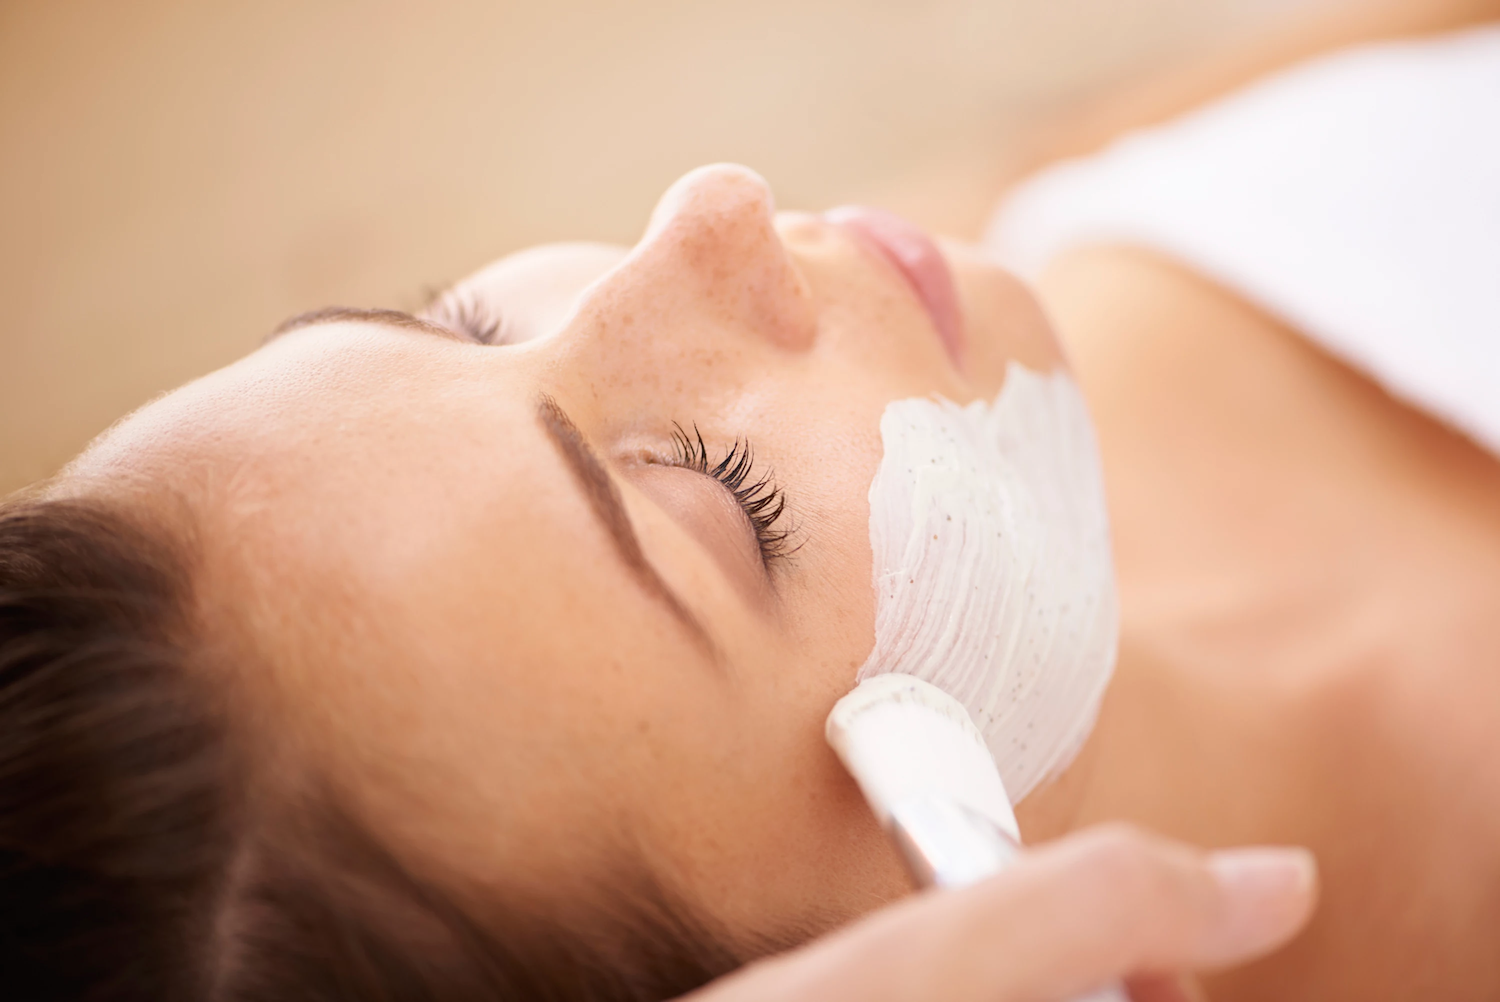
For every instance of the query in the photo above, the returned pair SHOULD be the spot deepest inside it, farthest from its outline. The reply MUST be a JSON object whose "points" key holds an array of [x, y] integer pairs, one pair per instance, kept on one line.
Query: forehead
{"points": [[350, 391], [385, 524], [349, 460]]}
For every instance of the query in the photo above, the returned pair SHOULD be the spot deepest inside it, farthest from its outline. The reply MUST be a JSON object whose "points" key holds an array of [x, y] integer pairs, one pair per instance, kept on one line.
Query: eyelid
{"points": [[465, 312], [603, 497], [758, 498]]}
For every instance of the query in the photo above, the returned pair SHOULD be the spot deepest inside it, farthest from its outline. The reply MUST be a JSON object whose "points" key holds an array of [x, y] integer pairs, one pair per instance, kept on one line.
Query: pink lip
{"points": [[919, 261]]}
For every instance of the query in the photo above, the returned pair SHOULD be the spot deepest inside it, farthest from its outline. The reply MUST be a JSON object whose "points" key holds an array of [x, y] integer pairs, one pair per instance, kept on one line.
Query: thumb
{"points": [[1115, 901]]}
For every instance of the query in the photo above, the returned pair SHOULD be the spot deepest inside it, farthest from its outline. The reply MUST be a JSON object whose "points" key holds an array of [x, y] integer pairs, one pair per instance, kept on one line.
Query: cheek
{"points": [[778, 836], [775, 838], [828, 598]]}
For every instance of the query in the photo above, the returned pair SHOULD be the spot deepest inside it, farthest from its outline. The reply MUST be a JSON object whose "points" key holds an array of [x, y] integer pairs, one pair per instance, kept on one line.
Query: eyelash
{"points": [[462, 311], [762, 501]]}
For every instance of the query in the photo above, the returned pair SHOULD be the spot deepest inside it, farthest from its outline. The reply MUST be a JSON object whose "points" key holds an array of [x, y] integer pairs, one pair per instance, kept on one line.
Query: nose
{"points": [[712, 249]]}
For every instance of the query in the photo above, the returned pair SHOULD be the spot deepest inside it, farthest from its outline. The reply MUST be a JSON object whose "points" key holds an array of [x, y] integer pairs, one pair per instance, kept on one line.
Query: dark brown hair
{"points": [[132, 865]]}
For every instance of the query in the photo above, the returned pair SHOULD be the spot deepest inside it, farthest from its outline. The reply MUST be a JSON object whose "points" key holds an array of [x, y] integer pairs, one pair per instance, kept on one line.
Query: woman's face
{"points": [[499, 594]]}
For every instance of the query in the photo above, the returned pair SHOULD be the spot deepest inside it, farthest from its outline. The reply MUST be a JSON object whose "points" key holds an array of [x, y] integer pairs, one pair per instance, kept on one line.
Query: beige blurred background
{"points": [[176, 177]]}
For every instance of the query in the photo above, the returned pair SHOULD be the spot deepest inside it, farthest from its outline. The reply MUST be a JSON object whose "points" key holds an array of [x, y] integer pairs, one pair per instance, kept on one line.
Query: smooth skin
{"points": [[387, 519], [1308, 568], [1308, 572], [445, 630]]}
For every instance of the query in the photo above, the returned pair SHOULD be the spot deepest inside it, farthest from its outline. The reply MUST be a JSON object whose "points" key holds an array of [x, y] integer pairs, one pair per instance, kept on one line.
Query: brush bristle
{"points": [[901, 737]]}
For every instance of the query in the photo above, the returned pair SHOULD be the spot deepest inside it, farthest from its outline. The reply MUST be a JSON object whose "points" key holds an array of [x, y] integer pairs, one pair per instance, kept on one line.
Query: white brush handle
{"points": [[946, 844]]}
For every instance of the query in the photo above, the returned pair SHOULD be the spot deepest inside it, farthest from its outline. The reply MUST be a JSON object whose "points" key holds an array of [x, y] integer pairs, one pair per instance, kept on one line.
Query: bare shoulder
{"points": [[1180, 368], [1324, 562], [1282, 510]]}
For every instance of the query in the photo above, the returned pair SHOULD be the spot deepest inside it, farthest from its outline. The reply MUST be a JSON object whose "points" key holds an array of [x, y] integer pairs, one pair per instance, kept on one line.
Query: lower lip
{"points": [[918, 259]]}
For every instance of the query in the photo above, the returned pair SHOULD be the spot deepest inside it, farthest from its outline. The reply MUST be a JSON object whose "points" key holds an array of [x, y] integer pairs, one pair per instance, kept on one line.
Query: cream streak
{"points": [[992, 566]]}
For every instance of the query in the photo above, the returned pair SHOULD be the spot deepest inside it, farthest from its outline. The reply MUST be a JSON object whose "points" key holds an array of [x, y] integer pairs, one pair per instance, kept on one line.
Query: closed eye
{"points": [[461, 310], [763, 503]]}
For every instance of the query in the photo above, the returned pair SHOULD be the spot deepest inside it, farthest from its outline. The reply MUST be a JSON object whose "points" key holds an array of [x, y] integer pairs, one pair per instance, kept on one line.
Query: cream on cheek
{"points": [[992, 566]]}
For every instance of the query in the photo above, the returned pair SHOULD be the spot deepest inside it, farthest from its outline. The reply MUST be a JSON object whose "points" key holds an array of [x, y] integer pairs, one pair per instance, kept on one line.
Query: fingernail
{"points": [[1268, 894]]}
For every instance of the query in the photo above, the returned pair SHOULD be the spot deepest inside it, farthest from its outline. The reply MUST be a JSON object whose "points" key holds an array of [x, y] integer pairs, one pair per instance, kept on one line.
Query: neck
{"points": [[1308, 576]]}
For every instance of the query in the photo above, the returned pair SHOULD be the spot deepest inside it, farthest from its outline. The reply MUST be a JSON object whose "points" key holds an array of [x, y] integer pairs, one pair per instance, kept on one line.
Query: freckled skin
{"points": [[1308, 582], [442, 626]]}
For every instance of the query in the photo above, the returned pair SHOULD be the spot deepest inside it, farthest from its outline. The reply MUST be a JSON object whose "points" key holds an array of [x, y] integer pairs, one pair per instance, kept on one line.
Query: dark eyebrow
{"points": [[604, 498], [345, 314]]}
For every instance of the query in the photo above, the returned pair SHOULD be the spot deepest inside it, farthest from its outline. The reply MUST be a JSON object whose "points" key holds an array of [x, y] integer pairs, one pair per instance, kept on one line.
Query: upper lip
{"points": [[914, 254]]}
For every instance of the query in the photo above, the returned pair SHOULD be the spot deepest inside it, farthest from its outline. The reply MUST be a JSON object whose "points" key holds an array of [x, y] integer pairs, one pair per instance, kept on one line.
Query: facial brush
{"points": [[927, 774]]}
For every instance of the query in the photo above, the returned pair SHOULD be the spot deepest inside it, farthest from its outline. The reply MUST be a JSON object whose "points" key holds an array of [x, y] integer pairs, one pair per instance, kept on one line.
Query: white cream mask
{"points": [[992, 566]]}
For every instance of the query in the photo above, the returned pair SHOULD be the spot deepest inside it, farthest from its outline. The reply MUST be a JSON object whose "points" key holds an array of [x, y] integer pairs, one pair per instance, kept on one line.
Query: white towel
{"points": [[1356, 196]]}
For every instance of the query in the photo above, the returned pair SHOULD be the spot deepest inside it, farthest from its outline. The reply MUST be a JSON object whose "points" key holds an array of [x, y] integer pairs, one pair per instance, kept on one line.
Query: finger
{"points": [[1086, 911], [1116, 901]]}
